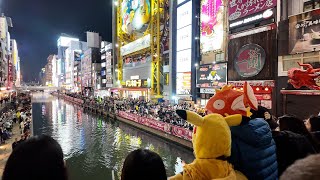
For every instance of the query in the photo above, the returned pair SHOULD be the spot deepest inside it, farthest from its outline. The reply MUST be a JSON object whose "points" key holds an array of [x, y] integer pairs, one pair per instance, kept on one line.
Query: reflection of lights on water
{"points": [[117, 138], [79, 116], [99, 122], [136, 142], [43, 108], [82, 139], [178, 167], [150, 147]]}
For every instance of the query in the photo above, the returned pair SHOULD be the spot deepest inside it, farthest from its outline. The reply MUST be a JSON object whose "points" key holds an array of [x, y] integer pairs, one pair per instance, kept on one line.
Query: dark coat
{"points": [[316, 136], [253, 150], [291, 147]]}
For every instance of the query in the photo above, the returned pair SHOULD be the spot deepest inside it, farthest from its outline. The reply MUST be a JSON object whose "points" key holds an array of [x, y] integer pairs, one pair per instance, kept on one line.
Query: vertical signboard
{"points": [[3, 27], [212, 14], [183, 49]]}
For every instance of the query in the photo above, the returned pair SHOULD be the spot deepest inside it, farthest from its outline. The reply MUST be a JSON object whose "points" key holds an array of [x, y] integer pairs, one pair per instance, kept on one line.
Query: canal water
{"points": [[95, 147]]}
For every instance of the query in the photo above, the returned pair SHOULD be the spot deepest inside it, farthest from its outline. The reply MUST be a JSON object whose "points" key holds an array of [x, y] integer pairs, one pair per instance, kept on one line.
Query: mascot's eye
{"points": [[219, 104]]}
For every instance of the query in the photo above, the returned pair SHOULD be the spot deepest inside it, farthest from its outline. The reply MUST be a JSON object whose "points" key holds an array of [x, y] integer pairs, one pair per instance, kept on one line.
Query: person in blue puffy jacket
{"points": [[253, 150]]}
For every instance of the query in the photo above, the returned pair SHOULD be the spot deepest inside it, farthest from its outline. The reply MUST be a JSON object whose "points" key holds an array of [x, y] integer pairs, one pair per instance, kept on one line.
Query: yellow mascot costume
{"points": [[212, 146]]}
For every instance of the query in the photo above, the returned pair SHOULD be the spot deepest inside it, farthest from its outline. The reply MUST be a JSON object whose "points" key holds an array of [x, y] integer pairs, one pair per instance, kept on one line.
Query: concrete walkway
{"points": [[6, 149]]}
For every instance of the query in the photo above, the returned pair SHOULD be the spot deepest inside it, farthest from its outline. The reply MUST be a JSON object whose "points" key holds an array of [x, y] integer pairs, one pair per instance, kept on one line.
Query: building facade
{"points": [[299, 27]]}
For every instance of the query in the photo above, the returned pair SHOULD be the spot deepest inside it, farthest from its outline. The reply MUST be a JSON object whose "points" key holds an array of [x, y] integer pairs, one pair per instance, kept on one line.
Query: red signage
{"points": [[158, 125], [250, 60], [242, 8]]}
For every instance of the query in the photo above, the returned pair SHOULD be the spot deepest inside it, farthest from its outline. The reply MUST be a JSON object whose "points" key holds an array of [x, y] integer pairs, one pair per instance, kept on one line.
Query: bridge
{"points": [[38, 88]]}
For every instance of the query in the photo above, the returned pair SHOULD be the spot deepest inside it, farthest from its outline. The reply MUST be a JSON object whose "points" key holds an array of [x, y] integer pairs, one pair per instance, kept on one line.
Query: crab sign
{"points": [[300, 77]]}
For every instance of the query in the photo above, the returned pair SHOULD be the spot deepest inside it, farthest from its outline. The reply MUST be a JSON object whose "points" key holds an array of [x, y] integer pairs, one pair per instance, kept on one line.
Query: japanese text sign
{"points": [[242, 8]]}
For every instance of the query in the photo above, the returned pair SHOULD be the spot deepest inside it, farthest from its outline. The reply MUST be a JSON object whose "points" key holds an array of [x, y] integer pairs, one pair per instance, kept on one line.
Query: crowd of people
{"points": [[17, 110], [160, 111], [262, 146]]}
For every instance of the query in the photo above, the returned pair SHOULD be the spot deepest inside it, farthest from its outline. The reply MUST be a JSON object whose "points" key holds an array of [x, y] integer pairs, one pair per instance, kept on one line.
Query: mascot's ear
{"points": [[191, 117], [234, 120], [250, 97]]}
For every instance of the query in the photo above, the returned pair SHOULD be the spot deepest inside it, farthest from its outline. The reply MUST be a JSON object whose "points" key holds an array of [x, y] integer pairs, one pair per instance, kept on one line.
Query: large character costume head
{"points": [[228, 101]]}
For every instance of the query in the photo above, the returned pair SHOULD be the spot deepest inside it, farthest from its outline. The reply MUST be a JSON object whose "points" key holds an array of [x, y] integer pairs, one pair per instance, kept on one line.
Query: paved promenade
{"points": [[5, 149]]}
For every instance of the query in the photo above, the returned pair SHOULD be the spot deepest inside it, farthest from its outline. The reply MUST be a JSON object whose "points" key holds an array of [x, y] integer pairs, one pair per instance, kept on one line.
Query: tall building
{"points": [[91, 65], [63, 44], [42, 77], [5, 23], [55, 78], [139, 45], [105, 80], [298, 42], [49, 71], [75, 48], [15, 60]]}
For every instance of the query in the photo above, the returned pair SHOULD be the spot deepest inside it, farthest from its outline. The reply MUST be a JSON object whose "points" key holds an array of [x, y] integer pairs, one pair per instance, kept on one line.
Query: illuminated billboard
{"points": [[77, 55], [184, 61], [14, 52], [184, 15], [184, 36], [3, 27], [212, 13], [135, 15], [64, 41], [184, 83], [183, 48]]}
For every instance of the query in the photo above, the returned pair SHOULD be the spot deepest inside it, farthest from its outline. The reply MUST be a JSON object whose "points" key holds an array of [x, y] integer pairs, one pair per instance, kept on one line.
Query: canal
{"points": [[95, 147]]}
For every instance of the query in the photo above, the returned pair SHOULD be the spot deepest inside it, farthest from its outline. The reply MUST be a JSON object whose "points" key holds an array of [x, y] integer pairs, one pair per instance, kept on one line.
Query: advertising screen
{"points": [[184, 38], [77, 56], [210, 75], [184, 15], [304, 32], [184, 83], [211, 17], [184, 61], [135, 15]]}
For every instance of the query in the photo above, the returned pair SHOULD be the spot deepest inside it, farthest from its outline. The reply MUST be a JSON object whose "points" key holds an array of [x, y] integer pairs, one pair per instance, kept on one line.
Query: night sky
{"points": [[37, 25]]}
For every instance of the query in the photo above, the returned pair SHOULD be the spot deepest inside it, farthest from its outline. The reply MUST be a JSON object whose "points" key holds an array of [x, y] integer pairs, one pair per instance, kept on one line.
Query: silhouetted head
{"points": [[293, 124], [296, 125], [38, 158], [143, 165]]}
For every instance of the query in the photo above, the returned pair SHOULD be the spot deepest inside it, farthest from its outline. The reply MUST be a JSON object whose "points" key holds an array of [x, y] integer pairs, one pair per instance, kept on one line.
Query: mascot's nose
{"points": [[182, 114]]}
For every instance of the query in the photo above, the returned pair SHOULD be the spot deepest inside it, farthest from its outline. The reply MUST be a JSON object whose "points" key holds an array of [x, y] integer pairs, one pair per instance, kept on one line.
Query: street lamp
{"points": [[196, 65]]}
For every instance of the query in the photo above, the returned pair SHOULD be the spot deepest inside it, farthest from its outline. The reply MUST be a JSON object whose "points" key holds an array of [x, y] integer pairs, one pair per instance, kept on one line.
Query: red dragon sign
{"points": [[300, 77]]}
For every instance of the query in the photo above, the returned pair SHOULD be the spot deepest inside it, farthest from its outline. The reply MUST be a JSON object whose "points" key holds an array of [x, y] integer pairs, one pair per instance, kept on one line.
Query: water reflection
{"points": [[94, 146]]}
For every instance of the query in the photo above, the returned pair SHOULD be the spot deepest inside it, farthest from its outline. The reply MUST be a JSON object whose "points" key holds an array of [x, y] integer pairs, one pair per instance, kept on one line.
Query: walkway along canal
{"points": [[95, 147]]}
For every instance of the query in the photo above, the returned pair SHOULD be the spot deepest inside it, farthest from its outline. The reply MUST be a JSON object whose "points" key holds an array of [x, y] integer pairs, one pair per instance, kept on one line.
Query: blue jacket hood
{"points": [[255, 132]]}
